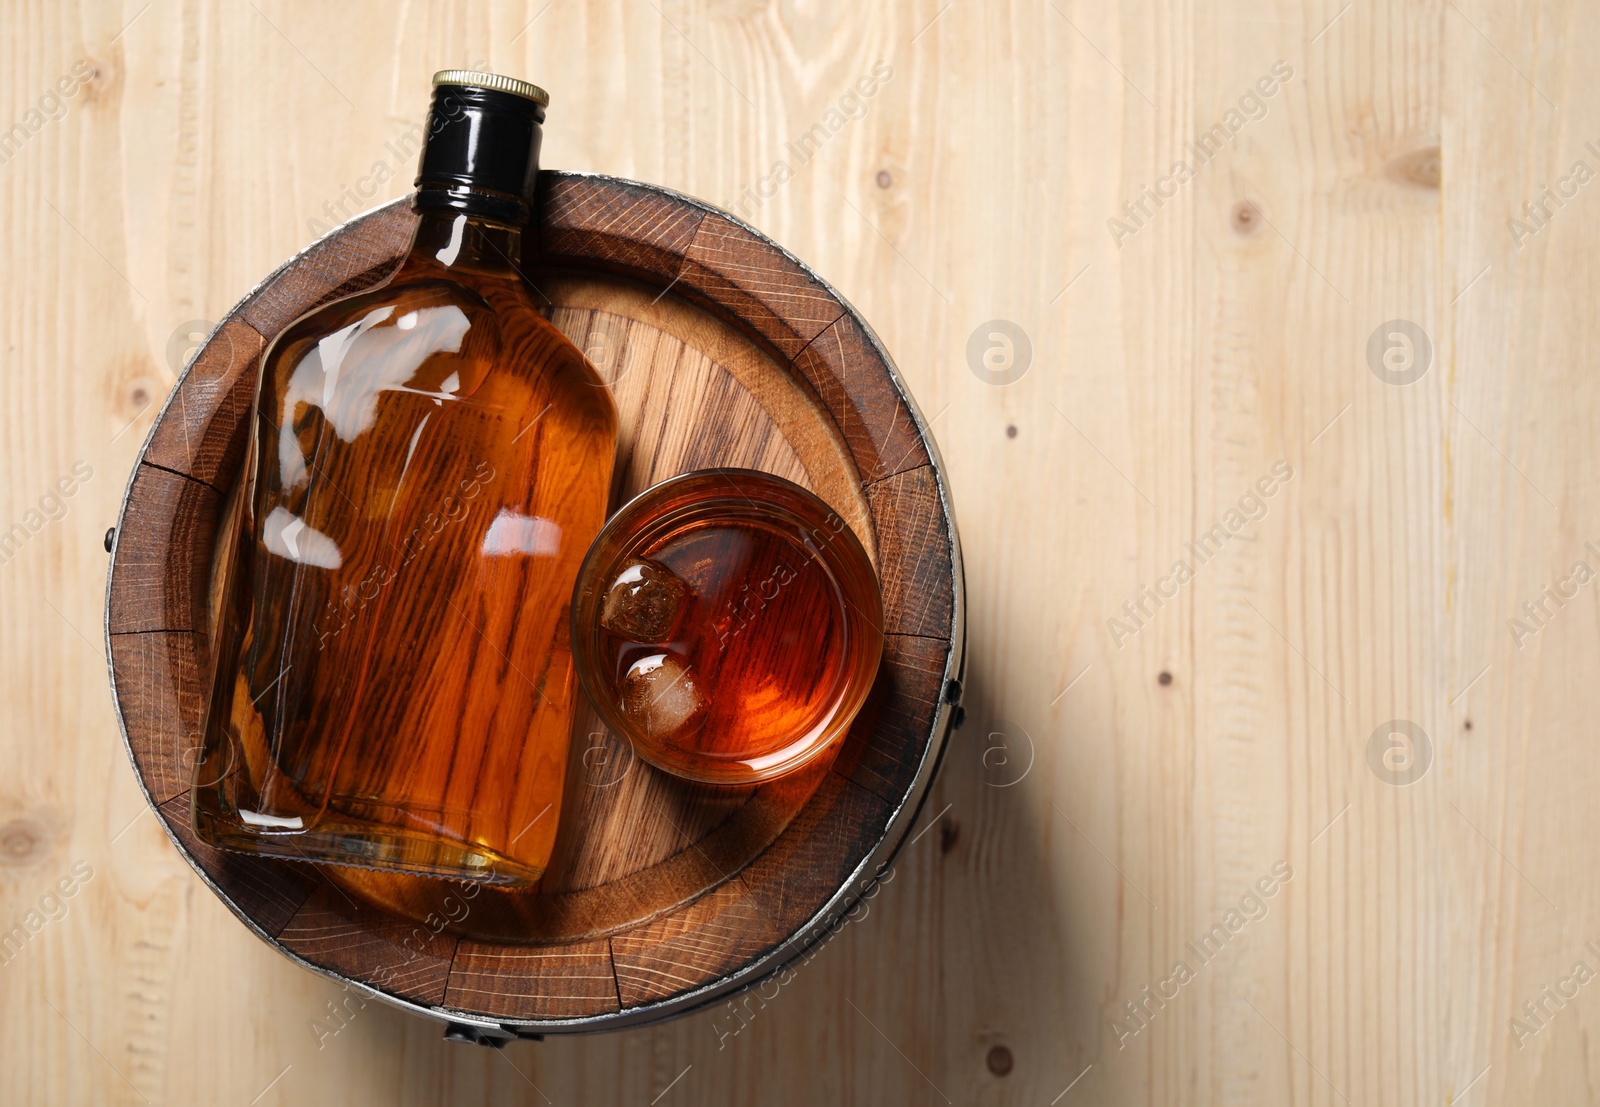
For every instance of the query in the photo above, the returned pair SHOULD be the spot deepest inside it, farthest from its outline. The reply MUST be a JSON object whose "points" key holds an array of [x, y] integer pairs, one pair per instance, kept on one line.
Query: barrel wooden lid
{"points": [[721, 349]]}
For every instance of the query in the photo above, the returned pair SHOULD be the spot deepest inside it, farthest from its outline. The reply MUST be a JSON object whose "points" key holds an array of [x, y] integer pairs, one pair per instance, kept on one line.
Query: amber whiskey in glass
{"points": [[429, 461], [730, 624]]}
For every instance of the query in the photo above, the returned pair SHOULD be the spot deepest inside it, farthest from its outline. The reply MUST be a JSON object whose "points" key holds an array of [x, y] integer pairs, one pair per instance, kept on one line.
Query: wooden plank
{"points": [[756, 284], [160, 578], [850, 378], [630, 335], [613, 225], [886, 743], [410, 960], [204, 434], [533, 982], [914, 560], [690, 948], [163, 706]]}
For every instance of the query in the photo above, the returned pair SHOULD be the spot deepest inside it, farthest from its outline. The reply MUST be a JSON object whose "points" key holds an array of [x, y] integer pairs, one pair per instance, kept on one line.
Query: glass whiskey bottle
{"points": [[429, 461]]}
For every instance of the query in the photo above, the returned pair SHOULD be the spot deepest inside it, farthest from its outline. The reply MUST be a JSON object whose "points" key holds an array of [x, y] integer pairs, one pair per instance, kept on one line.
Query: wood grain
{"points": [[620, 332], [601, 223], [161, 572], [219, 383], [821, 848], [720, 931], [533, 982], [917, 571], [774, 296], [839, 363], [163, 705], [408, 959]]}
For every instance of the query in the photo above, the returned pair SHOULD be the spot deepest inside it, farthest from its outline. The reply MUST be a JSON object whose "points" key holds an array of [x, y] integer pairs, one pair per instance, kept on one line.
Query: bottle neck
{"points": [[457, 240]]}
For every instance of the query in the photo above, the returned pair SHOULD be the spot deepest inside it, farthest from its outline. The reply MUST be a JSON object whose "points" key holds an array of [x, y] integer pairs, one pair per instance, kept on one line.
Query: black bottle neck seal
{"points": [[480, 155]]}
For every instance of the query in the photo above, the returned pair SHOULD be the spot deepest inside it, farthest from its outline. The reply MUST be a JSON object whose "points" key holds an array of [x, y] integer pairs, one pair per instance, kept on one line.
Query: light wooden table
{"points": [[1122, 792]]}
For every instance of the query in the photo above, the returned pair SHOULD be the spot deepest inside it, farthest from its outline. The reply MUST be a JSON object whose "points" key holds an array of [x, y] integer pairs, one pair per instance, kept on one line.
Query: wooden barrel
{"points": [[663, 895]]}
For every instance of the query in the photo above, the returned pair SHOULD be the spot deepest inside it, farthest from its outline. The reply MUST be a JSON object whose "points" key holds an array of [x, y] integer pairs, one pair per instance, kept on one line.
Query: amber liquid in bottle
{"points": [[430, 459]]}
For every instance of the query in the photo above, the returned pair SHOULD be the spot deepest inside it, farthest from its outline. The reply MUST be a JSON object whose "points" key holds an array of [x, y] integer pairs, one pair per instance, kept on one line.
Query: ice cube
{"points": [[661, 698], [643, 601]]}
